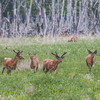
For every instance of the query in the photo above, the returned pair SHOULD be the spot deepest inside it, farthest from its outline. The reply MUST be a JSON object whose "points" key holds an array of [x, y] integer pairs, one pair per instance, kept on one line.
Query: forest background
{"points": [[22, 18]]}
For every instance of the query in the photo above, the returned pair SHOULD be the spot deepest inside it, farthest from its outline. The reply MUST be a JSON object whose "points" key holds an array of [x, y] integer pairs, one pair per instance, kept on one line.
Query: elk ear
{"points": [[62, 57], [89, 51], [95, 52], [28, 53], [34, 53]]}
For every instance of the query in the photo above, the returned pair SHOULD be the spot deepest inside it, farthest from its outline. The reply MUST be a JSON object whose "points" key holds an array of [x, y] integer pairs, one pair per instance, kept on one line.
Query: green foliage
{"points": [[72, 82]]}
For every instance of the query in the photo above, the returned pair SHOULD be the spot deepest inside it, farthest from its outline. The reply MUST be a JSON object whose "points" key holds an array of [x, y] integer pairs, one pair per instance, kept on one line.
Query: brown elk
{"points": [[73, 39], [10, 63], [64, 34], [90, 59], [34, 62], [50, 65]]}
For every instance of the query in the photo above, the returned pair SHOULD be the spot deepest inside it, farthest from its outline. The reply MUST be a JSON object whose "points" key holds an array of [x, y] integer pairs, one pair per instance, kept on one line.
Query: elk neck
{"points": [[32, 59], [92, 59], [56, 63], [16, 59]]}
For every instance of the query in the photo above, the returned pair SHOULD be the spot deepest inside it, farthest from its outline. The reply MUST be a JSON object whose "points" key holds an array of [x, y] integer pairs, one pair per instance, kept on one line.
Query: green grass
{"points": [[72, 82]]}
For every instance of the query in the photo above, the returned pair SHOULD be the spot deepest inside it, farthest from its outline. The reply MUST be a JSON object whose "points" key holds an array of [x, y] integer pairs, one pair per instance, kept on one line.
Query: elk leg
{"points": [[31, 69], [3, 70], [16, 70], [51, 71], [35, 70], [89, 66], [56, 71], [43, 68], [46, 71], [93, 67], [9, 71]]}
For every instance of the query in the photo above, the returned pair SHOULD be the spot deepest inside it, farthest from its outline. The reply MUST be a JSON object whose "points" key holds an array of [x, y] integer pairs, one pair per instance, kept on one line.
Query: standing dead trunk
{"points": [[75, 18], [28, 18], [61, 20], [45, 21], [14, 17], [38, 17], [53, 17], [0, 20]]}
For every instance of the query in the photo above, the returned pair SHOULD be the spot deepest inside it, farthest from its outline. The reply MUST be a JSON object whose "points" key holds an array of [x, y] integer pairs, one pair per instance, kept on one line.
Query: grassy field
{"points": [[72, 82]]}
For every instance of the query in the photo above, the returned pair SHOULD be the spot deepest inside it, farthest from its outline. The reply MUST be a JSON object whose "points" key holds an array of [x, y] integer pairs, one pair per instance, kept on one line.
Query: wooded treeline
{"points": [[20, 18]]}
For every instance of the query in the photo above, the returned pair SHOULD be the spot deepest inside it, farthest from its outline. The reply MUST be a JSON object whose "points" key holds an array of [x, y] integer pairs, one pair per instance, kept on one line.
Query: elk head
{"points": [[59, 58], [92, 54], [18, 54], [32, 55]]}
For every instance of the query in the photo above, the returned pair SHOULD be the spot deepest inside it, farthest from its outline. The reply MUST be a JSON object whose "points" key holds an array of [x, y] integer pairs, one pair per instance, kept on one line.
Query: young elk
{"points": [[73, 39], [50, 65], [10, 63], [90, 59], [34, 62]]}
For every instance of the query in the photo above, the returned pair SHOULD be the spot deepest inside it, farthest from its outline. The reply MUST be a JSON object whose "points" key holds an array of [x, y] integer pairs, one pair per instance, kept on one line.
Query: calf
{"points": [[34, 62], [90, 59]]}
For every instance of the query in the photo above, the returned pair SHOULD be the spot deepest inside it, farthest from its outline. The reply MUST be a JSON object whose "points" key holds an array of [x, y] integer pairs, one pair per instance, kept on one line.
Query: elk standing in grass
{"points": [[73, 39], [34, 62], [10, 63], [90, 59], [50, 65]]}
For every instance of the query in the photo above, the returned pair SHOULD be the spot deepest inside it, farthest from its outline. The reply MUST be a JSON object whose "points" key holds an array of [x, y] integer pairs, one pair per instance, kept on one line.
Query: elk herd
{"points": [[48, 64]]}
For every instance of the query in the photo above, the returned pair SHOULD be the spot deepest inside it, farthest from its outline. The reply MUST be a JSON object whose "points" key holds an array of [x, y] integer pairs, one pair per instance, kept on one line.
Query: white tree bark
{"points": [[0, 21], [62, 18], [53, 16], [14, 17]]}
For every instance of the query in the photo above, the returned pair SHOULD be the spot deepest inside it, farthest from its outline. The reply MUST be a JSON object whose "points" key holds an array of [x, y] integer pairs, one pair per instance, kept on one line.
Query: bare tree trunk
{"points": [[53, 17], [98, 18], [75, 18], [61, 20], [0, 20], [69, 16], [28, 18], [14, 17], [45, 21], [80, 19], [38, 17]]}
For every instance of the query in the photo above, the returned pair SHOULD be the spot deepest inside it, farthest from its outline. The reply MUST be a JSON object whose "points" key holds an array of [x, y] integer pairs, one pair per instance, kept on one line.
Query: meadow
{"points": [[73, 80]]}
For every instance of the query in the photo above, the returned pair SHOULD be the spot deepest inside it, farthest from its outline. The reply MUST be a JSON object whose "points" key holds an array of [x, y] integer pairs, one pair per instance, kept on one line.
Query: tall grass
{"points": [[72, 82]]}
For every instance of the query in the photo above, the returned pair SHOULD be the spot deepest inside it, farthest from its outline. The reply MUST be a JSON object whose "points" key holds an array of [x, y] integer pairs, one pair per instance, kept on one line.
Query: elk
{"points": [[50, 65], [34, 62], [90, 59], [10, 63], [73, 39], [64, 34]]}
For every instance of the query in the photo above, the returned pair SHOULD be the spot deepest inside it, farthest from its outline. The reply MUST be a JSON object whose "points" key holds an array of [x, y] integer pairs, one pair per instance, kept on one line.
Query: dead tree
{"points": [[0, 20]]}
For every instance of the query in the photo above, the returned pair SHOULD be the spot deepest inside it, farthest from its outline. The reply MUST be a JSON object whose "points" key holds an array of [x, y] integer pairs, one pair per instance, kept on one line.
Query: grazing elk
{"points": [[64, 34], [50, 65], [73, 39], [90, 59], [10, 63], [34, 62]]}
